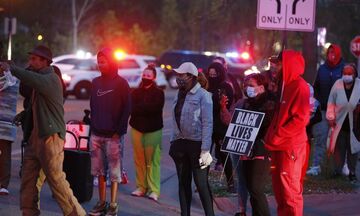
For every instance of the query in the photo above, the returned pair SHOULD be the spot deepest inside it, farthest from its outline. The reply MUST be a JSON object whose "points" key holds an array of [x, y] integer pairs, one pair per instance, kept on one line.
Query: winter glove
{"points": [[205, 159]]}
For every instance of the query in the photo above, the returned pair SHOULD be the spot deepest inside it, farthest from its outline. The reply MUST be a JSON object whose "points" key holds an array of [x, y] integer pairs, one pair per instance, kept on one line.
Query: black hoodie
{"points": [[110, 101], [218, 87]]}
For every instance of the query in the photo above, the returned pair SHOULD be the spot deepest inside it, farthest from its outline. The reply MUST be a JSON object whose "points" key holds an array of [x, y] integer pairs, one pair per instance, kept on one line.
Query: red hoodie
{"points": [[288, 126], [337, 58]]}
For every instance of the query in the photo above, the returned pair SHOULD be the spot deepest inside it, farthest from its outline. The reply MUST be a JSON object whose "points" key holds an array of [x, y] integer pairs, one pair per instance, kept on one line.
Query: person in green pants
{"points": [[147, 123]]}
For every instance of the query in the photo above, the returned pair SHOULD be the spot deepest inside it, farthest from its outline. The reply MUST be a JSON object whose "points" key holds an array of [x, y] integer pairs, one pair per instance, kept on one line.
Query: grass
{"points": [[321, 184]]}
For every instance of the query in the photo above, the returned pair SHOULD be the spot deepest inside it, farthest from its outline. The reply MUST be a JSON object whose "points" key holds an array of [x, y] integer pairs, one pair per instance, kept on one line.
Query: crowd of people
{"points": [[297, 117]]}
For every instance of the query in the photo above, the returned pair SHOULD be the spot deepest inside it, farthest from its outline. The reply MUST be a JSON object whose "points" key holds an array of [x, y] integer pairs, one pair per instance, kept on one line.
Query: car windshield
{"points": [[86, 64], [176, 59]]}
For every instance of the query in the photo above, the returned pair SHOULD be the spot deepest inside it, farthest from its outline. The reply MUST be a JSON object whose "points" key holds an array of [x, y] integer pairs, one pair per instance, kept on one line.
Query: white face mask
{"points": [[347, 78], [251, 92]]}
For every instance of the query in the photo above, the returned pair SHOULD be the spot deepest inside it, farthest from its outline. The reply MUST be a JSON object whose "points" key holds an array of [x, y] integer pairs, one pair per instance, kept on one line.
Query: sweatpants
{"points": [[287, 175], [147, 155]]}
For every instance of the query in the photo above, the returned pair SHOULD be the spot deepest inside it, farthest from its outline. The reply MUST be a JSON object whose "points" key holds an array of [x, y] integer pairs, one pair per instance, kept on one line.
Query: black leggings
{"points": [[185, 154]]}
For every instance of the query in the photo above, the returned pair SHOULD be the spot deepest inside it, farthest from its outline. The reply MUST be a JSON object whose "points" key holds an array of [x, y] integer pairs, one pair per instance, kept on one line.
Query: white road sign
{"points": [[291, 15]]}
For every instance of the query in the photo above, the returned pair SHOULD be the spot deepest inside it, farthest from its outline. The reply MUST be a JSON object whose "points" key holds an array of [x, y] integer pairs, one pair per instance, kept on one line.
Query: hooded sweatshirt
{"points": [[288, 127], [218, 87], [327, 74], [110, 101]]}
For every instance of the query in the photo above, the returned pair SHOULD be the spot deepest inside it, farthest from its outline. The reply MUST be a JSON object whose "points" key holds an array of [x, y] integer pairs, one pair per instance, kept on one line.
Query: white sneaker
{"points": [[4, 191], [153, 196], [138, 192], [314, 171]]}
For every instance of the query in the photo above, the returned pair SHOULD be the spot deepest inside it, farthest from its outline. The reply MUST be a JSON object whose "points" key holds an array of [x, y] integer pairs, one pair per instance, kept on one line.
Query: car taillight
{"points": [[245, 55]]}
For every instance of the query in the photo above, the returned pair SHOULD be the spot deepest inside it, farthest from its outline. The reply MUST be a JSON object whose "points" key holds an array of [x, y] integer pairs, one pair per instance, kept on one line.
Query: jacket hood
{"points": [[293, 65], [108, 53], [337, 51], [220, 70], [215, 82]]}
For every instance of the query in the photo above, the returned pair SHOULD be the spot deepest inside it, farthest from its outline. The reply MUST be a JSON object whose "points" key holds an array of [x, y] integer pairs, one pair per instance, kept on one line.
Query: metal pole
{"points": [[284, 40], [10, 30], [9, 46], [358, 65]]}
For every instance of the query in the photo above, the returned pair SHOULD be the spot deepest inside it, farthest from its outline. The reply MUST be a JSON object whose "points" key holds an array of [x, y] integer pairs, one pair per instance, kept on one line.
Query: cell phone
{"points": [[221, 92]]}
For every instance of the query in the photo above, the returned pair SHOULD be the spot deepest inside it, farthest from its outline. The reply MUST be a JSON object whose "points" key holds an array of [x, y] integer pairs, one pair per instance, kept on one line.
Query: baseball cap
{"points": [[43, 52], [187, 67]]}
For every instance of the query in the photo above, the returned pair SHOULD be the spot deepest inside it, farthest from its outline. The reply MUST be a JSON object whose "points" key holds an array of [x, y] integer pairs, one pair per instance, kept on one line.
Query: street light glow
{"points": [[39, 37], [119, 54]]}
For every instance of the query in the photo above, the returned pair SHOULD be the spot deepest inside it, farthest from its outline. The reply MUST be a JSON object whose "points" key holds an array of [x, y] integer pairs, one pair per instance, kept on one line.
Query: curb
{"points": [[225, 204]]}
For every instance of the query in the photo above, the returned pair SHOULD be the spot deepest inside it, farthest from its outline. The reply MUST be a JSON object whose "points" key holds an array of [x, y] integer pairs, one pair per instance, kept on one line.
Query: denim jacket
{"points": [[196, 120]]}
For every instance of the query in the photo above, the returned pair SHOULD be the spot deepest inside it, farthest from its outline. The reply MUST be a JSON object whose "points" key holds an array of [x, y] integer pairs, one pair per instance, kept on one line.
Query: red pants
{"points": [[287, 176]]}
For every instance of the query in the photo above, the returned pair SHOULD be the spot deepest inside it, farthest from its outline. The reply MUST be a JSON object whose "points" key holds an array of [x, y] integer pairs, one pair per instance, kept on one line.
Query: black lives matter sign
{"points": [[242, 131]]}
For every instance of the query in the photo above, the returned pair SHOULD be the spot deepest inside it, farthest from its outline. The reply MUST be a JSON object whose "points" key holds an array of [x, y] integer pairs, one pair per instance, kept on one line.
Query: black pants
{"points": [[255, 172], [5, 163], [342, 151], [220, 155], [185, 154]]}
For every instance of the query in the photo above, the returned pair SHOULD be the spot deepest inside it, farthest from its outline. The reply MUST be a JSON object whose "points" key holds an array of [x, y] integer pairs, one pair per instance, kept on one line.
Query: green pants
{"points": [[147, 153]]}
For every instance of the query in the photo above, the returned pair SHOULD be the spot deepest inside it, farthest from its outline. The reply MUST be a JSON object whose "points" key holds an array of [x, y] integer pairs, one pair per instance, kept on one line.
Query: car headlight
{"points": [[66, 77]]}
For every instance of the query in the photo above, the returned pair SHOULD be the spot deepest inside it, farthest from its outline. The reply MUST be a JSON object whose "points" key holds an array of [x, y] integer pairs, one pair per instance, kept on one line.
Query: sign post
{"points": [[9, 29], [355, 49], [242, 131]]}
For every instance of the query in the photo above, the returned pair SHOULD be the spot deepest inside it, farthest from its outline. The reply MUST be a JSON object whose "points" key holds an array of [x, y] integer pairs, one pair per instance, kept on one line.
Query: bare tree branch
{"points": [[87, 5]]}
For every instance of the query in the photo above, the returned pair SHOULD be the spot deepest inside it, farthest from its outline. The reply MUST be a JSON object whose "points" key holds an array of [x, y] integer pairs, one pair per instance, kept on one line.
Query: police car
{"points": [[79, 71]]}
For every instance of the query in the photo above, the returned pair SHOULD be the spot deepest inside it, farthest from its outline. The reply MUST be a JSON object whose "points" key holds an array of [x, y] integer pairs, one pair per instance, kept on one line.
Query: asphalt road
{"points": [[168, 205], [128, 205]]}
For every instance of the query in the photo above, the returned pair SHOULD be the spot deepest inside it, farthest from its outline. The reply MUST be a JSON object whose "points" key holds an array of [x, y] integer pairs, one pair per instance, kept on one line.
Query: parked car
{"points": [[78, 73], [174, 58]]}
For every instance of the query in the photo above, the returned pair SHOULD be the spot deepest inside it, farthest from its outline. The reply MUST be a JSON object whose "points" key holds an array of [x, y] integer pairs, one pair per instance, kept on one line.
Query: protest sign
{"points": [[242, 131]]}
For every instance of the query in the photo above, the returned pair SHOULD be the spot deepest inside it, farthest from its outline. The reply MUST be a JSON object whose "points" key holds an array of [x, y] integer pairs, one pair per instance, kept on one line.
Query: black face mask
{"points": [[182, 82], [146, 82]]}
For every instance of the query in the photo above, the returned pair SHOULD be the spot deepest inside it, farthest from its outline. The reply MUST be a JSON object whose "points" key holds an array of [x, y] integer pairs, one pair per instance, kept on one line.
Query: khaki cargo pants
{"points": [[46, 154]]}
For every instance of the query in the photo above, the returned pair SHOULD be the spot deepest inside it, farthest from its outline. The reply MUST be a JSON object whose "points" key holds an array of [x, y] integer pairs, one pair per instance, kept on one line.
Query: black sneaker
{"points": [[99, 209], [352, 178], [112, 210]]}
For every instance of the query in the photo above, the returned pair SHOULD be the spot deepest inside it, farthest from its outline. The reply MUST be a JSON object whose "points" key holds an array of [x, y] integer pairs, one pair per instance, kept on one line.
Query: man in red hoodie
{"points": [[286, 137]]}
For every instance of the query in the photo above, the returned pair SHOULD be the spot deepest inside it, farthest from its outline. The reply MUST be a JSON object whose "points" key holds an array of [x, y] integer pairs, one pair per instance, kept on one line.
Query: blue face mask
{"points": [[347, 79], [251, 92]]}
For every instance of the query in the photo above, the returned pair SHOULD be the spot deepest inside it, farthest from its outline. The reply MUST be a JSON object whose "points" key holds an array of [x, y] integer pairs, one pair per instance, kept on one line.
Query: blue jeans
{"points": [[320, 131], [241, 184]]}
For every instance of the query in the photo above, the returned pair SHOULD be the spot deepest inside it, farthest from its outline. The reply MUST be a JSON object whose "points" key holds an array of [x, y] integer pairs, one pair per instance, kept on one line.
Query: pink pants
{"points": [[287, 179]]}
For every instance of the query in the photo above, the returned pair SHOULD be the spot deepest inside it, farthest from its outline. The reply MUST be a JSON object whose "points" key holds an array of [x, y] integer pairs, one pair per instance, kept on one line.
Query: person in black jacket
{"points": [[253, 169], [219, 87], [147, 123]]}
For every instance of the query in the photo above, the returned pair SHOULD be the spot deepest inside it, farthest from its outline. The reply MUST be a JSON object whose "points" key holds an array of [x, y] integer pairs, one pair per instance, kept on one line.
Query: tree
{"points": [[77, 17]]}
